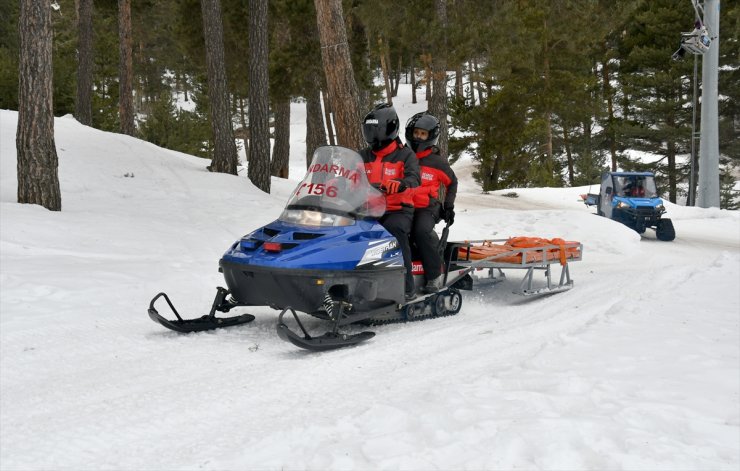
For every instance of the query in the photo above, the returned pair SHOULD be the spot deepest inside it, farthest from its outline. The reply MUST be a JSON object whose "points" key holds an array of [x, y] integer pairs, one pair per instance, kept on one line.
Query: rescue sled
{"points": [[327, 256], [524, 253]]}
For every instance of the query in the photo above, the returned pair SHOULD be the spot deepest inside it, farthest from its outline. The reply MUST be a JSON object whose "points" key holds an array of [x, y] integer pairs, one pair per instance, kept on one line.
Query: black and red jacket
{"points": [[393, 162], [438, 181]]}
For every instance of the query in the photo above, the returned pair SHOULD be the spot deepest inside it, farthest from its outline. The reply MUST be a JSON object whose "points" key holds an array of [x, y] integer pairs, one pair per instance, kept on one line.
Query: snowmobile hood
{"points": [[364, 245]]}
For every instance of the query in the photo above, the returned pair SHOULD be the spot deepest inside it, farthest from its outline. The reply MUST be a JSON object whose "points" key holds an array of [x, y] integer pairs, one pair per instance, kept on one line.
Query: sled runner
{"points": [[328, 257]]}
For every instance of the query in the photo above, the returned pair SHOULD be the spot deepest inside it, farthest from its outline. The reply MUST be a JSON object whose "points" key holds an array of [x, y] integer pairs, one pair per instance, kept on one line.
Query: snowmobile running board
{"points": [[207, 322]]}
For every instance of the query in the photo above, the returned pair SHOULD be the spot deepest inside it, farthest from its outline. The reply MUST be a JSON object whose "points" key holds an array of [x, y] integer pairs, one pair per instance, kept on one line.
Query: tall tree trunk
{"points": [[280, 165], [259, 108], [672, 177], [328, 120], [397, 74], [489, 173], [245, 128], [224, 147], [587, 152], [125, 69], [671, 151], [140, 90], [413, 80], [471, 82], [428, 77], [459, 92], [611, 120], [548, 109], [281, 149], [315, 134], [83, 106], [386, 73], [496, 172], [438, 105], [38, 164], [340, 78], [478, 84], [569, 153]]}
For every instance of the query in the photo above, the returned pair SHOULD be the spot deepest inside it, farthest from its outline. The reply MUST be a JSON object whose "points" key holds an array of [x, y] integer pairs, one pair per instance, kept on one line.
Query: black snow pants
{"points": [[427, 241], [398, 223]]}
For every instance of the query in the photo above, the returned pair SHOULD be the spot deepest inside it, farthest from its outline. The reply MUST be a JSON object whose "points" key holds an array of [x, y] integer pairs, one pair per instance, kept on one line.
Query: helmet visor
{"points": [[378, 132]]}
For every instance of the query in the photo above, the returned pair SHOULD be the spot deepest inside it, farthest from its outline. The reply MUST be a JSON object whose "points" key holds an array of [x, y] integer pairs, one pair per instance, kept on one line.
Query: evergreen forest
{"points": [[540, 93]]}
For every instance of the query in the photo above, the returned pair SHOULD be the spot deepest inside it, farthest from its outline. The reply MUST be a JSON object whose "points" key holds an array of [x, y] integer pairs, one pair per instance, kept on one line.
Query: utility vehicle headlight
{"points": [[660, 208], [623, 205]]}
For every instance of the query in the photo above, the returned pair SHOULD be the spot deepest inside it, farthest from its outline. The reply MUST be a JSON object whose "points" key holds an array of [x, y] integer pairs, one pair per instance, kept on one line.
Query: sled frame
{"points": [[527, 286]]}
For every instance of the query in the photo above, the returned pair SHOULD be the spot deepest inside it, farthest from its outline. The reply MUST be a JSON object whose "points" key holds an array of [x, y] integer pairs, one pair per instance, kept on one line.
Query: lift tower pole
{"points": [[708, 190]]}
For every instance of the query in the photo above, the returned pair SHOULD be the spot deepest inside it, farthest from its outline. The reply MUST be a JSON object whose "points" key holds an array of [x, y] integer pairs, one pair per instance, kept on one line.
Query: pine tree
{"points": [[729, 83], [38, 180], [224, 153], [657, 89], [9, 56], [125, 69], [83, 108], [259, 119], [335, 55], [438, 103], [315, 133]]}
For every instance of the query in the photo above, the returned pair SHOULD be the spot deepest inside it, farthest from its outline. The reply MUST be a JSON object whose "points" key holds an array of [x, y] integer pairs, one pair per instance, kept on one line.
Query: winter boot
{"points": [[433, 285]]}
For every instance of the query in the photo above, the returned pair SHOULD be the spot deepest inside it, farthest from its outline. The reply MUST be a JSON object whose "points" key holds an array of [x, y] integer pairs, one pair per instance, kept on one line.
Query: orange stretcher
{"points": [[529, 253]]}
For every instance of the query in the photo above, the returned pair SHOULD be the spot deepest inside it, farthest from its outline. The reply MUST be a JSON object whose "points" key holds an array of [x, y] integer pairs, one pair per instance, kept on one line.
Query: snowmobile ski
{"points": [[327, 341], [207, 322]]}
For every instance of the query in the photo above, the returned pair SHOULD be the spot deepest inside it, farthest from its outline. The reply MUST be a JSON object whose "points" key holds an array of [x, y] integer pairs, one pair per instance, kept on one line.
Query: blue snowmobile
{"points": [[326, 256], [632, 199]]}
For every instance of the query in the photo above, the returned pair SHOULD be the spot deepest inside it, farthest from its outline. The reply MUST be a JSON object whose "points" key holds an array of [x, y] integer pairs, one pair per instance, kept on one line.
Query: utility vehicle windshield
{"points": [[334, 192], [635, 186]]}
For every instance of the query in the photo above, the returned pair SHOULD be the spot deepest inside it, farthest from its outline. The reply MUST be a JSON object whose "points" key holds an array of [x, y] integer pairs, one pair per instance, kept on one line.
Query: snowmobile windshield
{"points": [[636, 186], [334, 192]]}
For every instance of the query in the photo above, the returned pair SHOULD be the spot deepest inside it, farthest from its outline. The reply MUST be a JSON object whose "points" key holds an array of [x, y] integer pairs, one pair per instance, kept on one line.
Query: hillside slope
{"points": [[637, 367]]}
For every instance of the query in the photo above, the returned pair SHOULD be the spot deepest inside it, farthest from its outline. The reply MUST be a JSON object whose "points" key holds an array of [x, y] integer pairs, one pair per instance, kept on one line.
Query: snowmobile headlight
{"points": [[306, 217], [335, 220]]}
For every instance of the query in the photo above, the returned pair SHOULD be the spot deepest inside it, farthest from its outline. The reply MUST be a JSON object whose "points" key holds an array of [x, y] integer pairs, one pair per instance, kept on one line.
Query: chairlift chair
{"points": [[696, 41]]}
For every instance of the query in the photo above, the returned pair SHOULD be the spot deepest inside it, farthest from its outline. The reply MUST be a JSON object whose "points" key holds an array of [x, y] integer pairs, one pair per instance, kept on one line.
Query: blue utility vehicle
{"points": [[632, 199]]}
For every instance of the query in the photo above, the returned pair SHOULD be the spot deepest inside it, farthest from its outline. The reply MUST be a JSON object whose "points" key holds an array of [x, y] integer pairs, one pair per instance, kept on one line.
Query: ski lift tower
{"points": [[708, 184]]}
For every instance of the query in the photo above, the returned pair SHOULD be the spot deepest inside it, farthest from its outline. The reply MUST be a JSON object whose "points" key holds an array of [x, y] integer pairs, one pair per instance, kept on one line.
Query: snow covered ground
{"points": [[636, 368]]}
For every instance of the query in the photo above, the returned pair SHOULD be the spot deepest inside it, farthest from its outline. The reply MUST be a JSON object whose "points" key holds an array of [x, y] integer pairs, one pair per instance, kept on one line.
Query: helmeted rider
{"points": [[393, 167], [434, 199]]}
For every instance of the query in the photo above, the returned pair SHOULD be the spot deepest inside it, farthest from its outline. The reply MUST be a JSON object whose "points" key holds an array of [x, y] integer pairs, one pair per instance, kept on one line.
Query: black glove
{"points": [[448, 214], [394, 186]]}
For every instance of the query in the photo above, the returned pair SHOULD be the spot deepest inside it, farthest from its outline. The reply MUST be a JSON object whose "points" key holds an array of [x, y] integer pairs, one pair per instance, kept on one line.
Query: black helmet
{"points": [[380, 126], [424, 121]]}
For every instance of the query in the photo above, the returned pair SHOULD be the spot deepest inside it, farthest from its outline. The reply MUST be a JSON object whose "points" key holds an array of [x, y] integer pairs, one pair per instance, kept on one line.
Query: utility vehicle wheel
{"points": [[665, 231]]}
